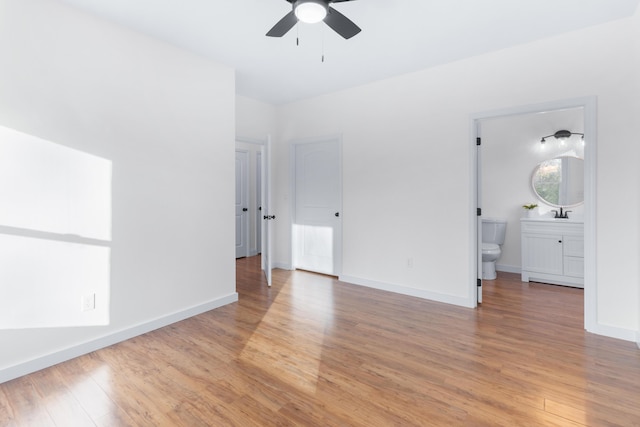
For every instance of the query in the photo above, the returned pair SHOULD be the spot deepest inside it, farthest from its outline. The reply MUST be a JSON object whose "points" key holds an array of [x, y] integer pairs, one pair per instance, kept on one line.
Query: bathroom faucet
{"points": [[561, 214]]}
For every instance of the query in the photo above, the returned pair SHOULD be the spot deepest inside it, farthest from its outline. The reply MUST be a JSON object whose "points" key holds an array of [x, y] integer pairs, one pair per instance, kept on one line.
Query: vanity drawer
{"points": [[574, 266], [573, 246]]}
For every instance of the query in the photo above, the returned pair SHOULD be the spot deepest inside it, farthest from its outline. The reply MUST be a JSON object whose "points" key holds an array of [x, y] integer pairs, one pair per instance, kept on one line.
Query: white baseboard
{"points": [[282, 266], [63, 355], [508, 268], [405, 290], [615, 332]]}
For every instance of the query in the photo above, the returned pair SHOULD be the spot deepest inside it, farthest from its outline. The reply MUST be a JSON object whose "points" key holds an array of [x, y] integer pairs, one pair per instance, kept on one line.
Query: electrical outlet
{"points": [[409, 262], [89, 302]]}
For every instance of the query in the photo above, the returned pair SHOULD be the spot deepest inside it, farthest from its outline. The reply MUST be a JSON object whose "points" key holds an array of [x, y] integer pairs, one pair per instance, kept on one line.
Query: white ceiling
{"points": [[397, 36]]}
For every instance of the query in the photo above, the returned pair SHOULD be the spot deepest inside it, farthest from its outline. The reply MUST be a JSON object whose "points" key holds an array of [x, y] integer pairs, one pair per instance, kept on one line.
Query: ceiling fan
{"points": [[312, 11]]}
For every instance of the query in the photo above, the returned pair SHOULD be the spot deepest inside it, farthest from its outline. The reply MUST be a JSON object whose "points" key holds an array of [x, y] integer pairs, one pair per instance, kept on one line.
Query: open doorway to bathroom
{"points": [[510, 150]]}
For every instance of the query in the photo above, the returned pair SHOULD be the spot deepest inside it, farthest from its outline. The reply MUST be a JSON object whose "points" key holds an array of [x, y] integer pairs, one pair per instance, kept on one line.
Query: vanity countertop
{"points": [[577, 220]]}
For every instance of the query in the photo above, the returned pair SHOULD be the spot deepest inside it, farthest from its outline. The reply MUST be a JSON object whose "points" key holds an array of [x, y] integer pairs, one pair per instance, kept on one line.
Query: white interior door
{"points": [[242, 203], [267, 215], [258, 217], [317, 230], [479, 217]]}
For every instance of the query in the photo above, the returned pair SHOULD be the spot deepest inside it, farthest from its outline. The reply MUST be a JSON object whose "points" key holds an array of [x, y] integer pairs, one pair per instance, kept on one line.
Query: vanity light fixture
{"points": [[562, 135]]}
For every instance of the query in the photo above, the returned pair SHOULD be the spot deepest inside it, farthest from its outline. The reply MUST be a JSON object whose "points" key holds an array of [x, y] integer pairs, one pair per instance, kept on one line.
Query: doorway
{"points": [[587, 109], [258, 215]]}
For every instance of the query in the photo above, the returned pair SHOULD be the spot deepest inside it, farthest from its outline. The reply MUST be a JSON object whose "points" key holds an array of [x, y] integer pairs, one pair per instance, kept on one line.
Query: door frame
{"points": [[589, 106], [292, 206]]}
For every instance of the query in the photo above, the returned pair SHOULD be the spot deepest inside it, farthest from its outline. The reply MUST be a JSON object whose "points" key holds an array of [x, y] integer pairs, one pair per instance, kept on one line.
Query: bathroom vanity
{"points": [[553, 251]]}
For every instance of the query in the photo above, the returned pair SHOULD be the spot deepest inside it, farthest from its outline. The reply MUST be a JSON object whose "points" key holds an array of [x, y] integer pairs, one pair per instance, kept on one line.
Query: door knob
{"points": [[244, 209], [337, 214]]}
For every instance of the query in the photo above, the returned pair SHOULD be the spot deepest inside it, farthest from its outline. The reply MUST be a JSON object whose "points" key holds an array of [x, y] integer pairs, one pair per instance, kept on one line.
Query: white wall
{"points": [[407, 162], [511, 149], [255, 120], [165, 118]]}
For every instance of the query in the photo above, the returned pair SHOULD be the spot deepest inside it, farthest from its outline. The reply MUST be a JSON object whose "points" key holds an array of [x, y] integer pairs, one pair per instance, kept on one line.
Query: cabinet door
{"points": [[542, 253]]}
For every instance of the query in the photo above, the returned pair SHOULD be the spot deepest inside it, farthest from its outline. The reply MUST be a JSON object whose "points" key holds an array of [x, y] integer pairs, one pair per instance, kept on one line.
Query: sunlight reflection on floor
{"points": [[269, 346]]}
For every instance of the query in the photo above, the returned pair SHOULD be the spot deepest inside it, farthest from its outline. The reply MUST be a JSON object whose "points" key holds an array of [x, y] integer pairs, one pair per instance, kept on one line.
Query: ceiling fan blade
{"points": [[341, 24], [283, 25], [339, 1]]}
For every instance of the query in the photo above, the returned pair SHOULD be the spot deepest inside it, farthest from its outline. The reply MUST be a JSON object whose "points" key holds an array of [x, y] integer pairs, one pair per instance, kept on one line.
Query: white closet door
{"points": [[318, 204]]}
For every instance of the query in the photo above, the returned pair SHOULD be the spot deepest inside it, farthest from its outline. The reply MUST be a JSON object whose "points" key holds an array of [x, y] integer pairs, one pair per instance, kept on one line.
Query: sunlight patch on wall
{"points": [[55, 234]]}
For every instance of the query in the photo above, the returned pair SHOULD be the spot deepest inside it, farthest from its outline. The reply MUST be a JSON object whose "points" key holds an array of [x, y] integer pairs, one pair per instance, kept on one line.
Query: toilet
{"points": [[493, 232]]}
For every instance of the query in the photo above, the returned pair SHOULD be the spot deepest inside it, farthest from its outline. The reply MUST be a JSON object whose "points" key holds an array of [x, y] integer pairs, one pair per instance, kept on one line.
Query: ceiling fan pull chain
{"points": [[322, 37]]}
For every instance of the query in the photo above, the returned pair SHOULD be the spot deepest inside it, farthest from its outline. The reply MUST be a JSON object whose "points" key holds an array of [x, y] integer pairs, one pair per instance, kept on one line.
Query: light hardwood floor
{"points": [[312, 351]]}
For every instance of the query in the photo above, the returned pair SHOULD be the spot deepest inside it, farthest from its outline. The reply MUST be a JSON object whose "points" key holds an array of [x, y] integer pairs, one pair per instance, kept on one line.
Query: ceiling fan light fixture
{"points": [[310, 11]]}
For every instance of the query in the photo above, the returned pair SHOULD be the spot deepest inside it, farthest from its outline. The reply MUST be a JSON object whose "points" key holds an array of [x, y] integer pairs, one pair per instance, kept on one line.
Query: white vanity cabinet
{"points": [[553, 251]]}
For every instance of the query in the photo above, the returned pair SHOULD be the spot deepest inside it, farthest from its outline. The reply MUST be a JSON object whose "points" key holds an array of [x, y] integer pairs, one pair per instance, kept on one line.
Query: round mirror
{"points": [[560, 181]]}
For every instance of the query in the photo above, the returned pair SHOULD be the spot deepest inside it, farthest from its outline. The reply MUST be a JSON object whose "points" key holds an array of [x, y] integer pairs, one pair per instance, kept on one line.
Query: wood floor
{"points": [[312, 351]]}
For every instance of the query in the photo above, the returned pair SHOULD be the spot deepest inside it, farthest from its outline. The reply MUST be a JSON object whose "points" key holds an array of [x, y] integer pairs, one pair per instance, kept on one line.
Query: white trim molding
{"points": [[615, 332], [508, 268], [81, 349], [406, 290], [282, 265]]}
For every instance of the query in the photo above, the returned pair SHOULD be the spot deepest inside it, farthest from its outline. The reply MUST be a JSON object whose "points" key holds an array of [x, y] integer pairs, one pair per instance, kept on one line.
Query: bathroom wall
{"points": [[511, 149]]}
